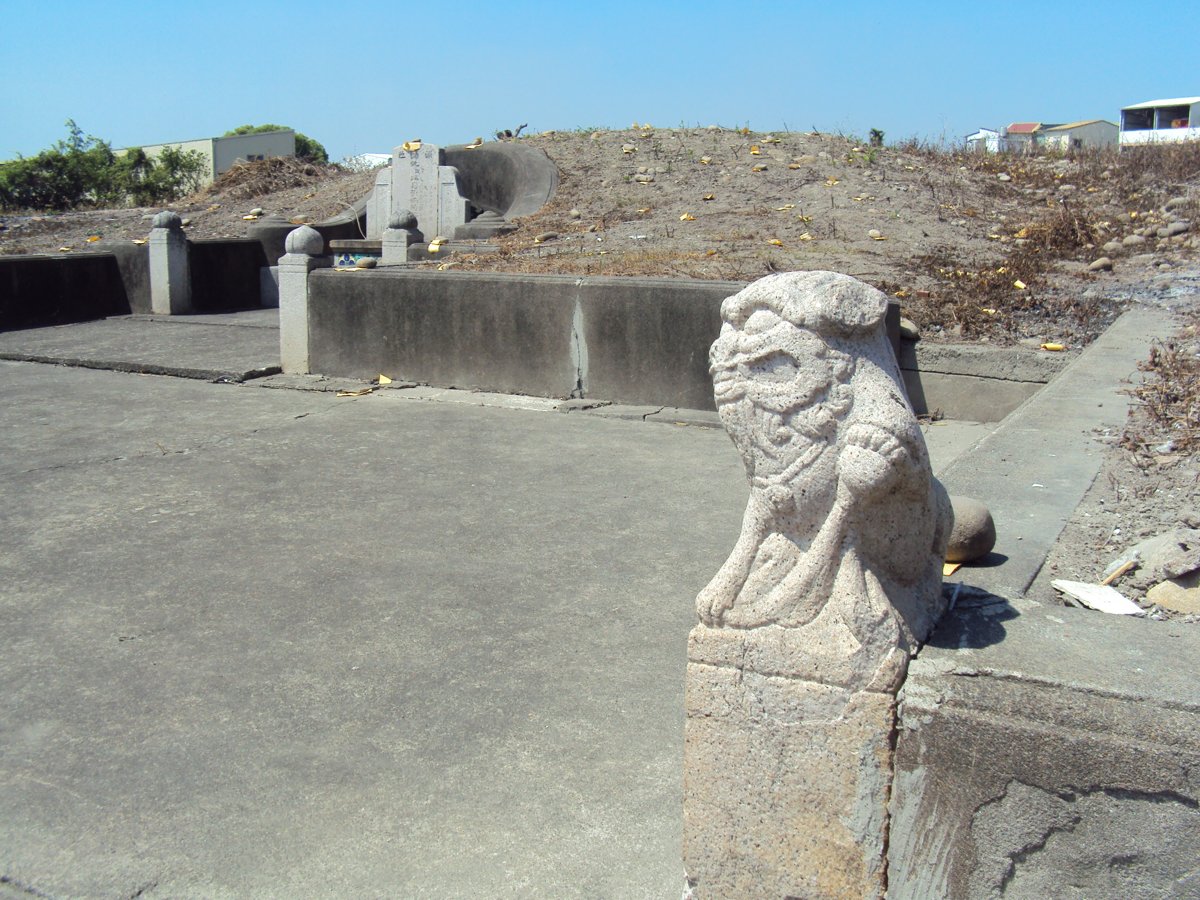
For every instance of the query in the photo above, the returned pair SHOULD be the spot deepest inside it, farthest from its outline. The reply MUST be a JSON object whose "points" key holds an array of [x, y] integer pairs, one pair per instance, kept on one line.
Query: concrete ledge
{"points": [[41, 290], [1046, 752], [972, 382]]}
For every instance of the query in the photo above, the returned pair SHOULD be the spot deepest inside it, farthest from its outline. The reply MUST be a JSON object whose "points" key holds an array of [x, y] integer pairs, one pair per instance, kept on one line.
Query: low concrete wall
{"points": [[37, 291], [971, 382], [226, 274], [639, 341], [1048, 752]]}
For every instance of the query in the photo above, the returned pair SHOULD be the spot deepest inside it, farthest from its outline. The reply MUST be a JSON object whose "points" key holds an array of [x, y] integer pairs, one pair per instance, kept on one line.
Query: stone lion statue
{"points": [[845, 522]]}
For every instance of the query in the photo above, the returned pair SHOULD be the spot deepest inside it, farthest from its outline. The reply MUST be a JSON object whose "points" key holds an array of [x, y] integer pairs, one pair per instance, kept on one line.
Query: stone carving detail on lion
{"points": [[845, 529]]}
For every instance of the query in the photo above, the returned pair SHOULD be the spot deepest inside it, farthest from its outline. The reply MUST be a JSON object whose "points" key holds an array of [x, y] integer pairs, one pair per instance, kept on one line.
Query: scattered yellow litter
{"points": [[705, 160], [754, 150], [687, 217], [1019, 285], [646, 126], [359, 393], [92, 238], [1023, 233], [411, 146], [628, 148], [830, 182], [987, 310], [775, 242], [743, 131], [444, 266], [475, 143], [786, 207], [1049, 345], [794, 166], [803, 218], [383, 379], [902, 293], [64, 249], [771, 139], [950, 568], [805, 237], [1133, 215], [249, 218], [644, 210], [759, 168], [710, 252], [435, 246], [139, 241], [709, 197]]}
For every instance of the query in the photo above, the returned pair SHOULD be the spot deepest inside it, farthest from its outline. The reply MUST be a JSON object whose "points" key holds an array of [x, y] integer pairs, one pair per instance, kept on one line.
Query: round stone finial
{"points": [[305, 240], [167, 219], [402, 218]]}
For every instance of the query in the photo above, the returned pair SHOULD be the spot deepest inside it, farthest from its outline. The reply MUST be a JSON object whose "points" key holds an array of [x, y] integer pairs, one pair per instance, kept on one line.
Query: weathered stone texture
{"points": [[806, 631]]}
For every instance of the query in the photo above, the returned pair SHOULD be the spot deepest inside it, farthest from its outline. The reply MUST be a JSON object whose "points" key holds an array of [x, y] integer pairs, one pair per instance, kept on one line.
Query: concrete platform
{"points": [[280, 644], [276, 643]]}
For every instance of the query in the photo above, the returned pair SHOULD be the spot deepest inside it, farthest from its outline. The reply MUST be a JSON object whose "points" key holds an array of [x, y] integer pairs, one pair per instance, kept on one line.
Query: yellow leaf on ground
{"points": [[1053, 347], [64, 249], [786, 207], [359, 393], [831, 181], [93, 238], [710, 252], [950, 568], [705, 160], [687, 217], [805, 237], [1019, 285], [902, 293], [383, 379], [775, 242], [754, 150], [709, 197], [644, 210]]}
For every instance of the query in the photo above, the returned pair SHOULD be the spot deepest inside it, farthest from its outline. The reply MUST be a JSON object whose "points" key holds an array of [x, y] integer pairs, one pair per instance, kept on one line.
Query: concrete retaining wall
{"points": [[639, 341], [226, 274], [37, 291], [1048, 752]]}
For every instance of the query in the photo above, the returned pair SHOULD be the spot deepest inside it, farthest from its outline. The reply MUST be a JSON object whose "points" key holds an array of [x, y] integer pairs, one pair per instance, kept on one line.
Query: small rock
{"points": [[365, 262], [1132, 240], [644, 178], [257, 211], [1175, 595], [874, 234], [909, 330], [1004, 176], [1113, 247], [545, 236], [1178, 228], [1103, 264], [974, 533], [1174, 203], [1173, 554], [185, 222], [1066, 188], [575, 214]]}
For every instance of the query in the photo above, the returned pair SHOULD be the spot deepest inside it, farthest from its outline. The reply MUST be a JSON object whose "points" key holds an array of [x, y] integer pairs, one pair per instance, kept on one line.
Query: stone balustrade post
{"points": [[806, 631], [305, 251], [170, 279], [399, 234]]}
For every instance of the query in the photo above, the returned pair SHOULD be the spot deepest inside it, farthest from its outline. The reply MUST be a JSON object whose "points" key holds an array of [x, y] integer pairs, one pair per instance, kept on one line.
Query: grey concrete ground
{"points": [[275, 643]]}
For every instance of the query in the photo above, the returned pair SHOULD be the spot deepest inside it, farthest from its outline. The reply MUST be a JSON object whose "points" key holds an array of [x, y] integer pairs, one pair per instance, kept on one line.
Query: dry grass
{"points": [[250, 180], [1168, 398]]}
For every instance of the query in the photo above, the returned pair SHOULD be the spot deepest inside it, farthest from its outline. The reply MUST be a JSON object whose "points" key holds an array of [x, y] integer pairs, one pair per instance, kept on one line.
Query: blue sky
{"points": [[366, 76]]}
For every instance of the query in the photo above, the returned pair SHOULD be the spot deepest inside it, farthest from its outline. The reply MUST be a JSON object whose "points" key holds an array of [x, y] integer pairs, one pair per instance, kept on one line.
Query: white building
{"points": [[222, 152], [985, 140], [1160, 121], [1078, 135]]}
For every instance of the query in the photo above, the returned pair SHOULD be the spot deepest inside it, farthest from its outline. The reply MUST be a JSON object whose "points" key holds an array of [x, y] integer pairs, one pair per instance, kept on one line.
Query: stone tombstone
{"points": [[806, 631], [418, 181]]}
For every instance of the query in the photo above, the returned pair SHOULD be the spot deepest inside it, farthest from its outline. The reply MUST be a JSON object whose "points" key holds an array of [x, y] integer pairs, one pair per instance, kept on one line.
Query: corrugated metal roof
{"points": [[1024, 127], [1081, 124], [1178, 101]]}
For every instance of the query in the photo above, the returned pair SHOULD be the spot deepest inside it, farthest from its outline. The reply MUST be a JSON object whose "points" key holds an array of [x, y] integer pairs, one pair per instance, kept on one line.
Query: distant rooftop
{"points": [[1178, 101], [1079, 125], [1024, 127]]}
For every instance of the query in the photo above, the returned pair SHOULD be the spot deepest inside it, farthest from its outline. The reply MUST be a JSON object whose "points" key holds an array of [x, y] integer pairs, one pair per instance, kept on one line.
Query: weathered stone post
{"points": [[170, 280], [400, 232], [305, 251], [806, 631]]}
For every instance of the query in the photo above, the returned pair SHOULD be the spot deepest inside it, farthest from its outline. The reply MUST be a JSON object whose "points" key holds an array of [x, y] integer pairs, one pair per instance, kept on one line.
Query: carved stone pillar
{"points": [[170, 279], [806, 631], [305, 251]]}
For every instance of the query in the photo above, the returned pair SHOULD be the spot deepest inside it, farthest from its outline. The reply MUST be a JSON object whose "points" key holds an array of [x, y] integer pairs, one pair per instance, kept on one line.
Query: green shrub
{"points": [[84, 171]]}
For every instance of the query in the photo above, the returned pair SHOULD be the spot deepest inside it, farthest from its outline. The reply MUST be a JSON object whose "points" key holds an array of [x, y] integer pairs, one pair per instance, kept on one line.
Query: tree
{"points": [[306, 147], [84, 171]]}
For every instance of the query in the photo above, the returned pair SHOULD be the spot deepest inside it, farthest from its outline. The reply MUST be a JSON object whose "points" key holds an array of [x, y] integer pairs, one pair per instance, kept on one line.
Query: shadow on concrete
{"points": [[977, 619]]}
